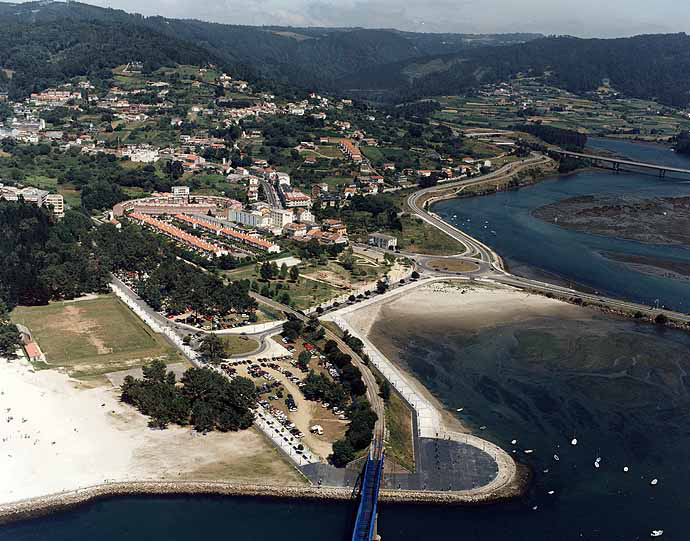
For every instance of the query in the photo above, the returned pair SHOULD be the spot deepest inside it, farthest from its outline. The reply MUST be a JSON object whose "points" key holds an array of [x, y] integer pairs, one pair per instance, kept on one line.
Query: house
{"points": [[318, 189], [295, 230], [350, 150], [380, 240]]}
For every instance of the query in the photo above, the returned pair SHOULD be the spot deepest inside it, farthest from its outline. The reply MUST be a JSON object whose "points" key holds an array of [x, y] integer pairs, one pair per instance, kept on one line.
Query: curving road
{"points": [[475, 248], [490, 264]]}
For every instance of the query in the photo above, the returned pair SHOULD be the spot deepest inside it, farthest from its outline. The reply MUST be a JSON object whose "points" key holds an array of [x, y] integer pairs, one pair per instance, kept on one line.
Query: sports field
{"points": [[92, 337]]}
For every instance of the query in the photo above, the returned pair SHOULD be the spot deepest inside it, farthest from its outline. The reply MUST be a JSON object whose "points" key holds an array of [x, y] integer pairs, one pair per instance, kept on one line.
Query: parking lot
{"points": [[278, 382]]}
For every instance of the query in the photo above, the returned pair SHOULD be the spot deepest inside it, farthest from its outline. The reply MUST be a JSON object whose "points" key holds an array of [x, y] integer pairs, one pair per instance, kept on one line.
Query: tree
{"points": [[294, 273], [385, 389], [303, 360], [661, 319], [292, 329], [174, 169], [283, 271], [415, 275], [212, 348], [266, 271], [10, 339], [343, 453], [381, 287]]}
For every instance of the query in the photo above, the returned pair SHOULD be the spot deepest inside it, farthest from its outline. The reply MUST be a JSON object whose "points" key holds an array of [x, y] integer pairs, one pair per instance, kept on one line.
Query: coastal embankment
{"points": [[39, 506]]}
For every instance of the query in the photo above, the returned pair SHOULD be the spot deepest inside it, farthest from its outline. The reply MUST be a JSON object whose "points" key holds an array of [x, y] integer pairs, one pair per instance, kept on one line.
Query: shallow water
{"points": [[619, 387]]}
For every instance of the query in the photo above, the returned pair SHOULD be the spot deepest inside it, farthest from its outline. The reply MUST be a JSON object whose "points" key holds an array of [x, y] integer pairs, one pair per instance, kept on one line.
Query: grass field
{"points": [[90, 338], [420, 237], [453, 265], [399, 423], [303, 293], [238, 345]]}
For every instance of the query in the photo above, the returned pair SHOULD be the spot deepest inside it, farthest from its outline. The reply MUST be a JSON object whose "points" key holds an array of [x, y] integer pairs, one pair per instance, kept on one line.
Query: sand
{"points": [[57, 434], [470, 306]]}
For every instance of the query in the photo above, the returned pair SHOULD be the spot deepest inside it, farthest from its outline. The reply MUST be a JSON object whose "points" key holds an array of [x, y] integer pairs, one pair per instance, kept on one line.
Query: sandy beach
{"points": [[470, 308], [58, 434]]}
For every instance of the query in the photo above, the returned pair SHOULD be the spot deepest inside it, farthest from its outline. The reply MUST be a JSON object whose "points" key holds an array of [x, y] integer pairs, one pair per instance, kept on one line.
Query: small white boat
{"points": [[513, 442], [535, 508], [551, 492], [656, 533], [459, 409], [654, 482], [493, 232], [529, 451], [556, 458], [482, 428], [596, 464], [574, 441], [625, 469]]}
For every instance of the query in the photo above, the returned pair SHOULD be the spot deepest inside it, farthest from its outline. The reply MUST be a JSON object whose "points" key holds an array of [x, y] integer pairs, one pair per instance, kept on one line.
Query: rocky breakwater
{"points": [[65, 500]]}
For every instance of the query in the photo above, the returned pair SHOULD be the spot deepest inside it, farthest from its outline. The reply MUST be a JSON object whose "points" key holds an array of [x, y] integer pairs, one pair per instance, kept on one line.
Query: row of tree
{"points": [[10, 339], [165, 281], [567, 139]]}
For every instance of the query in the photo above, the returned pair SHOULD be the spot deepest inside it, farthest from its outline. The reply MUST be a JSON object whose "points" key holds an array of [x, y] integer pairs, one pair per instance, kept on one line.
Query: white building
{"points": [[280, 218], [304, 216], [387, 242], [37, 197], [57, 203], [250, 218], [180, 190]]}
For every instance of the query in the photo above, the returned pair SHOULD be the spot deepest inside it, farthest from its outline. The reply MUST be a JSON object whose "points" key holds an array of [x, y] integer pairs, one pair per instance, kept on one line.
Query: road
{"points": [[376, 401], [475, 248], [271, 195]]}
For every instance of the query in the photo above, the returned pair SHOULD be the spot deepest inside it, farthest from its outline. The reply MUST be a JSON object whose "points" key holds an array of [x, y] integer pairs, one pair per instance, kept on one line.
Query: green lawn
{"points": [[237, 345], [303, 293], [93, 337], [373, 153], [420, 237], [399, 422]]}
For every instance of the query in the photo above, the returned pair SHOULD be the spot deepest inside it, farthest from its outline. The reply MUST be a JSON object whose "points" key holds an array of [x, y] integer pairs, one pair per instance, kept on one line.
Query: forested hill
{"points": [[45, 53], [648, 67], [306, 57], [44, 41]]}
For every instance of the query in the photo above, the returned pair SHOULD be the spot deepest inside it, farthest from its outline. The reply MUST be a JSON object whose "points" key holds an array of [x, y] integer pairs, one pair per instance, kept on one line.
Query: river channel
{"points": [[535, 248]]}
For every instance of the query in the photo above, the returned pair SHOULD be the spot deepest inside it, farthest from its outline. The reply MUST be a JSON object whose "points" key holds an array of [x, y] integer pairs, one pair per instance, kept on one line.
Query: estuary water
{"points": [[532, 247]]}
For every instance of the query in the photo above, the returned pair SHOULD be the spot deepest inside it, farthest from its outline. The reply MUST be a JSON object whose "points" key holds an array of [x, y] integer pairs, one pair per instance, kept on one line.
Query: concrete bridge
{"points": [[616, 163]]}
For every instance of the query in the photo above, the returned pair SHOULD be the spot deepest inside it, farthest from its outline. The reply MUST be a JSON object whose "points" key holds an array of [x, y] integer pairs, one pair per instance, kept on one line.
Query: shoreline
{"points": [[63, 501], [434, 420]]}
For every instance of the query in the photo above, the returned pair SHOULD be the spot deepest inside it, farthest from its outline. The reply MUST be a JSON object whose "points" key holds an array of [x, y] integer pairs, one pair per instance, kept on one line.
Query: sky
{"points": [[586, 18]]}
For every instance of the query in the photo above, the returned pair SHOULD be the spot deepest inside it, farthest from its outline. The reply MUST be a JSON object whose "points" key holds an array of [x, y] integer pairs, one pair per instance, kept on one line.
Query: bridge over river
{"points": [[616, 163]]}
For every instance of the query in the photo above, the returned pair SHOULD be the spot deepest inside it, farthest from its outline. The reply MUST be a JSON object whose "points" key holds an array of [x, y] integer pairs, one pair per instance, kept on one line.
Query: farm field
{"points": [[89, 338]]}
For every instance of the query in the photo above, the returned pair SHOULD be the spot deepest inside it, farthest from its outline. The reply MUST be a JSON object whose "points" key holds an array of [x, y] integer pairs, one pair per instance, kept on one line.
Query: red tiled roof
{"points": [[177, 233], [261, 243]]}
